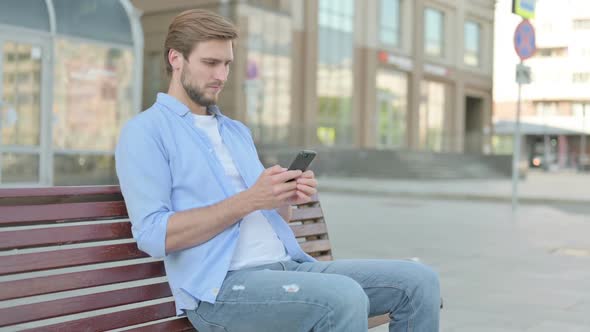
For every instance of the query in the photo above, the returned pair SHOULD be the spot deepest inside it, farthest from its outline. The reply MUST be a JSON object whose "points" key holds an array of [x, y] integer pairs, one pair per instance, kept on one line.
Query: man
{"points": [[198, 196]]}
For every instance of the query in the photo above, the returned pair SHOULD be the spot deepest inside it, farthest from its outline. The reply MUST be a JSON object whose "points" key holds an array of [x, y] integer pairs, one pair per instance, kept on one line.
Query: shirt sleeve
{"points": [[146, 183]]}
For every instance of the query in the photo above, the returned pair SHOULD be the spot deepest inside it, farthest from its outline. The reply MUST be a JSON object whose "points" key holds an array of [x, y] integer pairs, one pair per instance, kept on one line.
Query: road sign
{"points": [[524, 8], [523, 74], [524, 40]]}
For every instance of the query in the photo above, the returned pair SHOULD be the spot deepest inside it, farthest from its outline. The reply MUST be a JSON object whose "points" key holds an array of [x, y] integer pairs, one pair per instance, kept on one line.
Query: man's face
{"points": [[205, 71]]}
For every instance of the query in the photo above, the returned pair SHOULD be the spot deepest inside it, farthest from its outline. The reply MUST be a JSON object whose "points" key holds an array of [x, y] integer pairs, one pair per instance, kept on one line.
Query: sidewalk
{"points": [[537, 188]]}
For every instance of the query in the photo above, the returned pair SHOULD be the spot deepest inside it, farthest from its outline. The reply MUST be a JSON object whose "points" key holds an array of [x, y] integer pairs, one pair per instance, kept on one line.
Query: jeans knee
{"points": [[350, 298], [427, 284]]}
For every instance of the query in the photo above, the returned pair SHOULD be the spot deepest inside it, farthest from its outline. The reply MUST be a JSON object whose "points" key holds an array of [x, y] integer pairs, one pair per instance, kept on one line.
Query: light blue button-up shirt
{"points": [[166, 164]]}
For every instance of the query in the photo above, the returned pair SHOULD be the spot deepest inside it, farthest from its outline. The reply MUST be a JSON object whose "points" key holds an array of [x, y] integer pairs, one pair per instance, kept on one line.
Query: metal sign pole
{"points": [[582, 159], [516, 153], [524, 45]]}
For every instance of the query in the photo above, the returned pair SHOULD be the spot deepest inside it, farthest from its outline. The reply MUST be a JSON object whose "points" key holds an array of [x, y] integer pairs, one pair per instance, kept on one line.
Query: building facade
{"points": [[556, 105], [351, 74], [393, 75]]}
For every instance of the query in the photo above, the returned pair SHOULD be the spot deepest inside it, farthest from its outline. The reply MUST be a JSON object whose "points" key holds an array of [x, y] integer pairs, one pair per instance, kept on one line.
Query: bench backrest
{"points": [[68, 262]]}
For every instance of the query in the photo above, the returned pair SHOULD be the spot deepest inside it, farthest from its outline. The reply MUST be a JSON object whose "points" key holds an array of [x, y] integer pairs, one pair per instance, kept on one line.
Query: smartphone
{"points": [[302, 160]]}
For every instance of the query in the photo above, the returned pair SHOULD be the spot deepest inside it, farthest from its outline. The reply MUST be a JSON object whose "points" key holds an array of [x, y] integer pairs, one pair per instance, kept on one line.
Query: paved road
{"points": [[499, 272]]}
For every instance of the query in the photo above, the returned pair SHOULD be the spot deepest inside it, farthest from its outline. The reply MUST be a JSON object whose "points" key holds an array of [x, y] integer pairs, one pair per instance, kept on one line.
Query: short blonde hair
{"points": [[193, 26]]}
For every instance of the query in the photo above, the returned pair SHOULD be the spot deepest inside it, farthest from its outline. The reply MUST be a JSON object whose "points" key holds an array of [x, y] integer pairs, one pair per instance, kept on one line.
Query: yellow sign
{"points": [[524, 8]]}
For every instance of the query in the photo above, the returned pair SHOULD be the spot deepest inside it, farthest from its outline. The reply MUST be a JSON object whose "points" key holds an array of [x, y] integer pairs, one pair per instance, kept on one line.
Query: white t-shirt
{"points": [[258, 243]]}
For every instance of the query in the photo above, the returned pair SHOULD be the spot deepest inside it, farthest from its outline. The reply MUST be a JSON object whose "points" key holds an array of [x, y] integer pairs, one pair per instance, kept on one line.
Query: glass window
{"points": [[335, 76], [389, 23], [433, 32], [83, 169], [20, 101], [19, 168], [581, 24], [274, 5], [431, 117], [92, 95], [30, 14], [268, 77], [546, 108], [556, 51], [392, 100], [581, 110], [104, 20], [472, 37], [581, 77], [502, 144]]}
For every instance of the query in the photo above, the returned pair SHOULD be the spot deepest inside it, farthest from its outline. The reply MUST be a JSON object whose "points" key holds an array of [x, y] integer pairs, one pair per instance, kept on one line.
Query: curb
{"points": [[452, 196]]}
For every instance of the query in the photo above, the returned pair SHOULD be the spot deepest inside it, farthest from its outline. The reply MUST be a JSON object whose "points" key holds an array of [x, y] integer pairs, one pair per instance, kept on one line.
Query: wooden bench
{"points": [[68, 262]]}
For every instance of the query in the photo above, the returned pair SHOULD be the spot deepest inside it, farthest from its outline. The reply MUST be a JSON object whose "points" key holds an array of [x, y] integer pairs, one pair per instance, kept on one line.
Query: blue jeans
{"points": [[333, 296]]}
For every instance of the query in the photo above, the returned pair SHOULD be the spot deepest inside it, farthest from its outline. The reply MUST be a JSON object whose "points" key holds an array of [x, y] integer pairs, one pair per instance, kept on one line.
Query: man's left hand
{"points": [[306, 188]]}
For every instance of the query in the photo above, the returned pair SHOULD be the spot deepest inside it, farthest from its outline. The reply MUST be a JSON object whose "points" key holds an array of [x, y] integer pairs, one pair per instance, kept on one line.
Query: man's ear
{"points": [[175, 59]]}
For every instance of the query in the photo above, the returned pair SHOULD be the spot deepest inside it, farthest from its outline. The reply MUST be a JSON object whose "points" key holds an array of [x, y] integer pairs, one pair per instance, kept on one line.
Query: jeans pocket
{"points": [[201, 324]]}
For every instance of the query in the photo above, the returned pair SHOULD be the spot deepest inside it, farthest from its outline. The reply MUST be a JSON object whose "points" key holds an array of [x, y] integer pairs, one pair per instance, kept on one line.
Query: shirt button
{"points": [[215, 291]]}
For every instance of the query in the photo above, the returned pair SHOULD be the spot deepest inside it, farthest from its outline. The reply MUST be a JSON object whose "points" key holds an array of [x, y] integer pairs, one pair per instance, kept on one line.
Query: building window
{"points": [[431, 117], [92, 100], [389, 23], [472, 37], [549, 52], [20, 116], [546, 108], [581, 24], [581, 77], [433, 32], [268, 77], [581, 110], [283, 6], [392, 101], [335, 75]]}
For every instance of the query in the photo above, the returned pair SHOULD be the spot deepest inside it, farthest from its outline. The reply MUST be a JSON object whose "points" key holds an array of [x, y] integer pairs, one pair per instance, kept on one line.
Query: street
{"points": [[530, 272]]}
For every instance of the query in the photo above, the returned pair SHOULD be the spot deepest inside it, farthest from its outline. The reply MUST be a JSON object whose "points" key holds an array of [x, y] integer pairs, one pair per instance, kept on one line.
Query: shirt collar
{"points": [[178, 107]]}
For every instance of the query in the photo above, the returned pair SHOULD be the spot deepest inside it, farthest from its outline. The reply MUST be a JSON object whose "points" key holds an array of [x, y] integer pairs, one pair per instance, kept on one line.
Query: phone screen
{"points": [[302, 160]]}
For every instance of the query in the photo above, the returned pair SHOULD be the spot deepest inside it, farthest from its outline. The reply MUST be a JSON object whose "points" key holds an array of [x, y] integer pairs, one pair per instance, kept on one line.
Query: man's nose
{"points": [[221, 73]]}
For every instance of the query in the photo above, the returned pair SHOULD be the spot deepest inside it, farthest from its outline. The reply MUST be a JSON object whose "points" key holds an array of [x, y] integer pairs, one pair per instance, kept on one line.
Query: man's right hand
{"points": [[272, 190]]}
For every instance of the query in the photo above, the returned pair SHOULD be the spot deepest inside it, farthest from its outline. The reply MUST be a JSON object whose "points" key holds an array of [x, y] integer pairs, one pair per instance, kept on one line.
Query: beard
{"points": [[194, 93]]}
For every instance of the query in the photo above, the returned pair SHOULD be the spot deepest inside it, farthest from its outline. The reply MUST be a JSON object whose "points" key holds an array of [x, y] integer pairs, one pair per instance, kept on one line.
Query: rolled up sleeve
{"points": [[146, 183]]}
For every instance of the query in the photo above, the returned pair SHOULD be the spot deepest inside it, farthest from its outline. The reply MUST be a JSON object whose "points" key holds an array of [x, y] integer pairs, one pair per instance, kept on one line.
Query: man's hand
{"points": [[272, 190], [306, 187]]}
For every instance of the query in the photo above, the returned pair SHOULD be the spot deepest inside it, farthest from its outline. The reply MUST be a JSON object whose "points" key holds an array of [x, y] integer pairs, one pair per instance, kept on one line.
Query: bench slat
{"points": [[378, 320], [306, 214], [32, 214], [316, 245], [177, 325], [113, 320], [314, 199], [73, 305], [309, 229], [76, 280], [69, 257], [64, 235], [59, 191]]}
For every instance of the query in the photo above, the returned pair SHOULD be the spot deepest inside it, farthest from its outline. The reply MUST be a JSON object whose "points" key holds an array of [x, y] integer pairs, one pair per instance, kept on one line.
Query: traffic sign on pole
{"points": [[524, 40], [524, 8], [524, 45], [523, 74]]}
